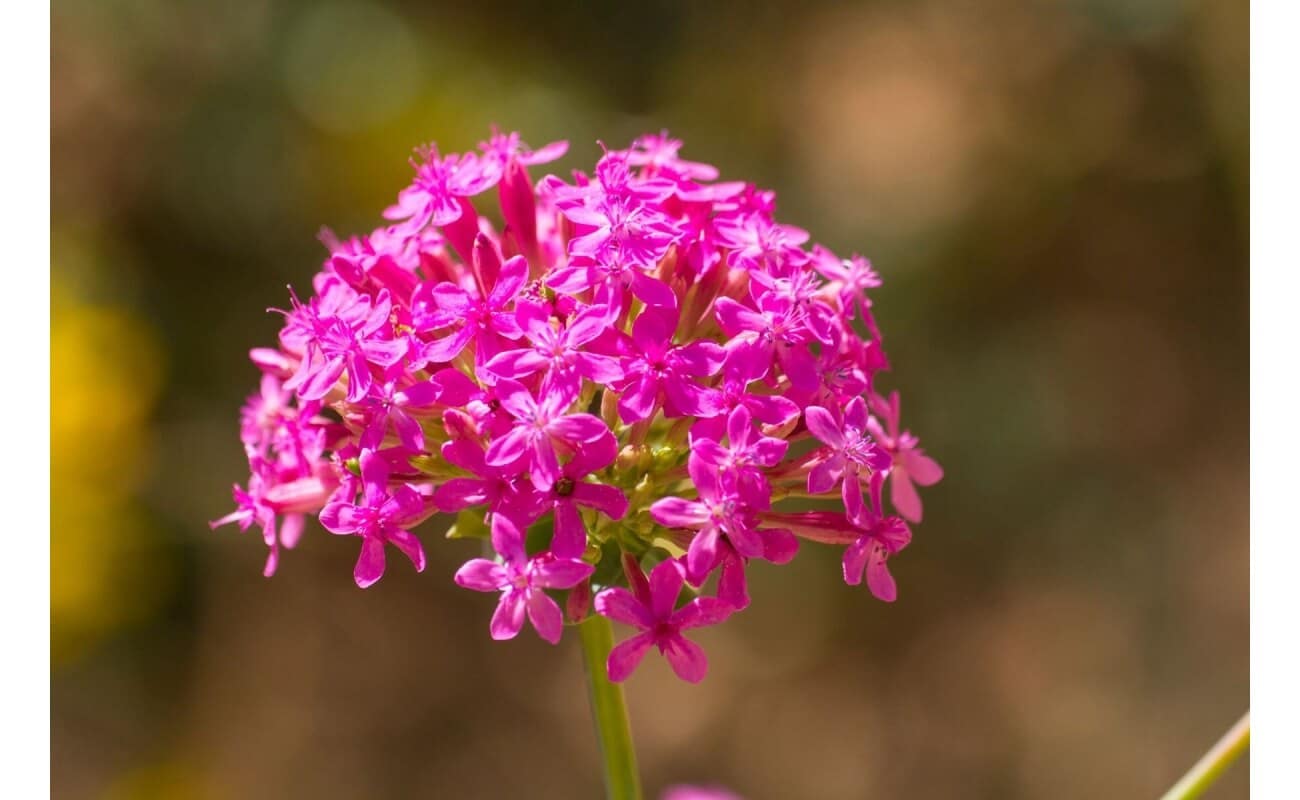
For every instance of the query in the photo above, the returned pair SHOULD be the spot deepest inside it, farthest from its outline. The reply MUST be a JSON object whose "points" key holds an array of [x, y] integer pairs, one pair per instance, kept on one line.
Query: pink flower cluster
{"points": [[620, 382]]}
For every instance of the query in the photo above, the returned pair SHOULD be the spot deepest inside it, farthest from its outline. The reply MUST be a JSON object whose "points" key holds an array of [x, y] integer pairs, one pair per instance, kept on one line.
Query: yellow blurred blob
{"points": [[168, 780], [106, 570]]}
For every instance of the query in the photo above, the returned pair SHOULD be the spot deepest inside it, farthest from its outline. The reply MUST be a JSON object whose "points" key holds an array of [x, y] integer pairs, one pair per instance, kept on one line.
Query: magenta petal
{"points": [[621, 605], [409, 432], [422, 394], [515, 363], [338, 518], [665, 584], [904, 497], [374, 477], [652, 292], [702, 611], [460, 493], [779, 546], [599, 368], [821, 478], [879, 581], [626, 656], [370, 564], [732, 588], [675, 512], [772, 410], [686, 658], [509, 616], [686, 398], [508, 448], [769, 451], [699, 359], [545, 616], [855, 413], [513, 274], [323, 380], [570, 537], [638, 400], [481, 575], [515, 398], [855, 560], [734, 317], [578, 428], [544, 465], [652, 332], [448, 347], [562, 573], [923, 469], [508, 540], [702, 555], [823, 425], [570, 280], [608, 500]]}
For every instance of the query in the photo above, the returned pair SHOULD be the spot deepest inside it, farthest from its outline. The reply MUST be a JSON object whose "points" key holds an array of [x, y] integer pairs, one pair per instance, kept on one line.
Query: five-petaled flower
{"points": [[853, 454], [522, 582], [652, 609], [382, 517]]}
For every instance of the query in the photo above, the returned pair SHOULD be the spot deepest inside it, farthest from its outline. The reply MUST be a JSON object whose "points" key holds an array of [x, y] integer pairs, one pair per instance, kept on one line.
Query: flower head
{"points": [[638, 365]]}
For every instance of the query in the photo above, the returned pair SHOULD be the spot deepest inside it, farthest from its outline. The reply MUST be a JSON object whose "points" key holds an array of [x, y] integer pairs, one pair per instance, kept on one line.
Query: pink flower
{"points": [[880, 538], [348, 338], [744, 456], [779, 328], [521, 581], [381, 518], [539, 426], [252, 507], [851, 277], [721, 514], [910, 463], [853, 455], [698, 793], [559, 352], [658, 373], [651, 610], [440, 183], [658, 152], [472, 316], [571, 491]]}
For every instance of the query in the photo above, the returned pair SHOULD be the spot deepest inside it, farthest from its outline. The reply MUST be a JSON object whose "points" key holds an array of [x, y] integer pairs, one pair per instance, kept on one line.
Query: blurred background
{"points": [[1055, 194]]}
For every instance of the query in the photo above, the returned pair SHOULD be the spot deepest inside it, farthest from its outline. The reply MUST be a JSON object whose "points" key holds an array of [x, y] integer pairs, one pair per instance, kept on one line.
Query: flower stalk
{"points": [[609, 712], [1205, 772]]}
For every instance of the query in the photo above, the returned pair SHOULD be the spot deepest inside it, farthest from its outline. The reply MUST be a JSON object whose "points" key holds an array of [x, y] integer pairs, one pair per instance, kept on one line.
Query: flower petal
{"points": [[686, 658], [509, 616], [621, 605], [370, 563], [626, 656], [481, 575], [545, 616]]}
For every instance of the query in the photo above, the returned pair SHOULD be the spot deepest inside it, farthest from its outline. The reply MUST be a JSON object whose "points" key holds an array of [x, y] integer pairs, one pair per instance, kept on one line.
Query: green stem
{"points": [[609, 712], [1206, 771]]}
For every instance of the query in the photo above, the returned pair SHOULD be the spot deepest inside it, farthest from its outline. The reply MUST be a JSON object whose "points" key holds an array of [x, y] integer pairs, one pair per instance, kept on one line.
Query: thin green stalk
{"points": [[1206, 771], [609, 712]]}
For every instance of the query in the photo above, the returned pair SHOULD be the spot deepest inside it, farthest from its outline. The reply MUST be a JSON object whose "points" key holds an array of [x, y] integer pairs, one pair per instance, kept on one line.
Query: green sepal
{"points": [[469, 524]]}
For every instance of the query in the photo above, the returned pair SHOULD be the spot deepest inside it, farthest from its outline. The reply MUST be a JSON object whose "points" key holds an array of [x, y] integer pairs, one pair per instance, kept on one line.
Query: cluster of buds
{"points": [[622, 385]]}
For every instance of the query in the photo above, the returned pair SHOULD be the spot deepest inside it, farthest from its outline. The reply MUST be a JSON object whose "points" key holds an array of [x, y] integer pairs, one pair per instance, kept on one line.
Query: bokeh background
{"points": [[1055, 194]]}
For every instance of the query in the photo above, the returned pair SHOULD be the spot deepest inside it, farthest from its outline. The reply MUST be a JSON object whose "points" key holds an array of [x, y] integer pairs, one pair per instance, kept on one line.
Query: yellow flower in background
{"points": [[106, 566]]}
